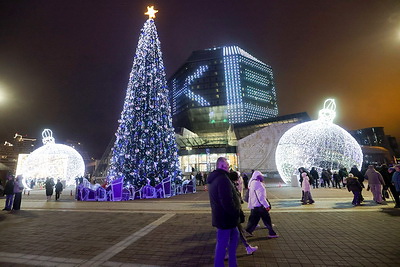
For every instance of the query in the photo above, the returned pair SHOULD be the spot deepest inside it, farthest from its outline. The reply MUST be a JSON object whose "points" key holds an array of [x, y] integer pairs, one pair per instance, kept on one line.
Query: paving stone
{"points": [[321, 235]]}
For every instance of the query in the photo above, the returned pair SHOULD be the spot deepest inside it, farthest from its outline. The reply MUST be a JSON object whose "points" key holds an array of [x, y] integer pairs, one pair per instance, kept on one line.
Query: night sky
{"points": [[64, 65]]}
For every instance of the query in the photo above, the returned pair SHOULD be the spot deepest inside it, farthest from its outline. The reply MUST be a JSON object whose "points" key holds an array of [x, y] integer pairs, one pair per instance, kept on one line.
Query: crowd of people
{"points": [[381, 182], [226, 188], [225, 192], [14, 187]]}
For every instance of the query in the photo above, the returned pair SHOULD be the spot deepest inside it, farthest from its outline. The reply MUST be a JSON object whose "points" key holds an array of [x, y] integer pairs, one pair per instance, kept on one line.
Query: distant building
{"points": [[9, 151], [211, 92], [377, 147], [221, 86]]}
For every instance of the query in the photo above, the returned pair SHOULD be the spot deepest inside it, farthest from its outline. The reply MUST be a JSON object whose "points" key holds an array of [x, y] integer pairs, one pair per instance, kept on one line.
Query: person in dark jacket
{"points": [[49, 185], [395, 184], [326, 177], [343, 174], [59, 188], [245, 180], [225, 210], [9, 193], [356, 173], [315, 176], [354, 186], [18, 188]]}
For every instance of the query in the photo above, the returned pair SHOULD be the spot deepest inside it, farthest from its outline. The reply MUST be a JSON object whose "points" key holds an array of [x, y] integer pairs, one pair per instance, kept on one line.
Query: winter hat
{"points": [[256, 174]]}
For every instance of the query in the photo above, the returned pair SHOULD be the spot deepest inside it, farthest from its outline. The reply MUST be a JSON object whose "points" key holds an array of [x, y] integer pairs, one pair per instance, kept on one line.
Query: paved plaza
{"points": [[178, 232]]}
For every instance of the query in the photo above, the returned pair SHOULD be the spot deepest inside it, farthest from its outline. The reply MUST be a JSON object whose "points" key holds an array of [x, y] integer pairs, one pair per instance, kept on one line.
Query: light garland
{"points": [[145, 146], [53, 160], [318, 143]]}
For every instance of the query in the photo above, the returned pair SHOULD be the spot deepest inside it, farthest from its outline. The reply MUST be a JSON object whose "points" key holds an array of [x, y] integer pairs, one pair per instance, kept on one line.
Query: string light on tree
{"points": [[145, 146], [318, 143], [54, 161]]}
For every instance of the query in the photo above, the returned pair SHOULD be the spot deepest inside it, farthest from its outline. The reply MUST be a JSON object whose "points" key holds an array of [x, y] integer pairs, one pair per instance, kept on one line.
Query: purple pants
{"points": [[376, 191], [226, 239]]}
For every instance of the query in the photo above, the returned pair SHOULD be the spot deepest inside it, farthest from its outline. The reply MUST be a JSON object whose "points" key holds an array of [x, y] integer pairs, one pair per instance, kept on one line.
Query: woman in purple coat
{"points": [[375, 182]]}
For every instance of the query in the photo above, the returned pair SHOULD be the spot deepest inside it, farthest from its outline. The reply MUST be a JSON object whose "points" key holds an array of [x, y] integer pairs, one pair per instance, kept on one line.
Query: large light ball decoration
{"points": [[318, 143], [55, 161]]}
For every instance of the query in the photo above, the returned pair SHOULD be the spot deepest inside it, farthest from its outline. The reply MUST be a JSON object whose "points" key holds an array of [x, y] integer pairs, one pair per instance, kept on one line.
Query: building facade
{"points": [[221, 86], [378, 148], [212, 91], [10, 151]]}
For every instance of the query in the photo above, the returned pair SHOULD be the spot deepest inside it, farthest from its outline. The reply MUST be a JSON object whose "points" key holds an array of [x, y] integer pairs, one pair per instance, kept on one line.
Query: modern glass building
{"points": [[212, 91], [221, 86]]}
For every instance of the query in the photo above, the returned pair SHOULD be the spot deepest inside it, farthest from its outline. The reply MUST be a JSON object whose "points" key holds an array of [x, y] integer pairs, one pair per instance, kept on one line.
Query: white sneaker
{"points": [[250, 250]]}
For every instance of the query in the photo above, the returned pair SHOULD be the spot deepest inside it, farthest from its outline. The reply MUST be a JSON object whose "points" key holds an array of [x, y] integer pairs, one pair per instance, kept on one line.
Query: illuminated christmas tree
{"points": [[145, 147]]}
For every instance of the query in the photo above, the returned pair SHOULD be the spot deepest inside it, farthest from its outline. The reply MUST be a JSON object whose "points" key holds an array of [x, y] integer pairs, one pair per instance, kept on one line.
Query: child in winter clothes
{"points": [[354, 186], [306, 189]]}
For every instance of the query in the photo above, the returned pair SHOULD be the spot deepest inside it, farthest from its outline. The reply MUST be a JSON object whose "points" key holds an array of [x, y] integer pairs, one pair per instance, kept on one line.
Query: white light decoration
{"points": [[53, 160], [318, 143]]}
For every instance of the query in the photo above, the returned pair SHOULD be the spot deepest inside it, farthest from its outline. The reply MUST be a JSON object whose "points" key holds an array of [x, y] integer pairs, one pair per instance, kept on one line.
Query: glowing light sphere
{"points": [[53, 160], [318, 143]]}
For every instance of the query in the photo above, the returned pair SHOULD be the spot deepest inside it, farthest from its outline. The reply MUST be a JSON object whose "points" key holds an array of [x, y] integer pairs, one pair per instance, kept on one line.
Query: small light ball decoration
{"points": [[318, 143], [54, 161]]}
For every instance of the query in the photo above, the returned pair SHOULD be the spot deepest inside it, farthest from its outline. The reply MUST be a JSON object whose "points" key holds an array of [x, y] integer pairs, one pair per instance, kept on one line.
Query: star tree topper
{"points": [[151, 12]]}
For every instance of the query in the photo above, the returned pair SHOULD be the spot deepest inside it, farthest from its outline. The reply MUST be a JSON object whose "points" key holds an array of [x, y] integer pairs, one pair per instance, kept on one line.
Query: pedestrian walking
{"points": [[326, 177], [225, 210], [59, 189], [396, 185], [337, 180], [387, 178], [375, 182], [315, 175], [356, 173], [343, 175], [9, 192], [49, 185], [306, 188], [235, 178], [355, 187], [245, 180], [18, 188], [259, 205]]}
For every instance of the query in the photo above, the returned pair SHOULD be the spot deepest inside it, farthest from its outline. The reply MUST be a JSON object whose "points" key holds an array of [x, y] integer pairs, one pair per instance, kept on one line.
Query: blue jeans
{"points": [[356, 198], [226, 239], [9, 201]]}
